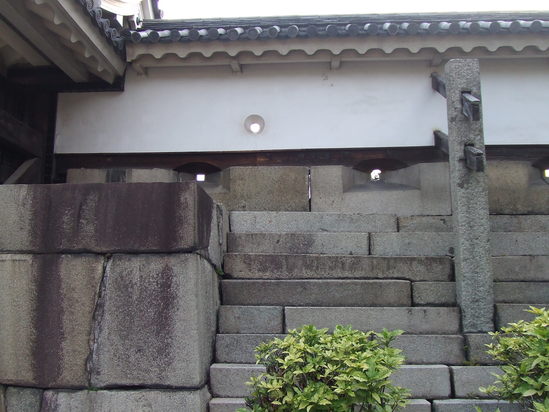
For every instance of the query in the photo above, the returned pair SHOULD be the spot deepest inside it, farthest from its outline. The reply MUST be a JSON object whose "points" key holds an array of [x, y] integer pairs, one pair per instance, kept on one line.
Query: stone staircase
{"points": [[287, 269]]}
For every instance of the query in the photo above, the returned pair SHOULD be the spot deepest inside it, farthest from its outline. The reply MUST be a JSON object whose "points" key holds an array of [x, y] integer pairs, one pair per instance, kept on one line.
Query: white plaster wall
{"points": [[380, 104]]}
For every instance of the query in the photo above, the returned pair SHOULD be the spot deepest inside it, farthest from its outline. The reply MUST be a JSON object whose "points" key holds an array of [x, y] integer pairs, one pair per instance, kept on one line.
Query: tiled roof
{"points": [[154, 31], [106, 23]]}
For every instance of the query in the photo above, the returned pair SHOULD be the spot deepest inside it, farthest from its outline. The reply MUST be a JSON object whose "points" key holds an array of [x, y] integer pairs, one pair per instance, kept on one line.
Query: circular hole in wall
{"points": [[254, 124]]}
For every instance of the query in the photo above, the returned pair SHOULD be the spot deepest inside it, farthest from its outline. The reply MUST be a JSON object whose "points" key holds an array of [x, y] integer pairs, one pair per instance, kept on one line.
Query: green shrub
{"points": [[312, 370], [523, 347]]}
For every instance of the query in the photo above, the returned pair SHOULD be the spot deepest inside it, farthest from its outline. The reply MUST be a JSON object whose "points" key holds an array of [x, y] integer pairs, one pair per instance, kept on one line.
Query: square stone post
{"points": [[469, 191]]}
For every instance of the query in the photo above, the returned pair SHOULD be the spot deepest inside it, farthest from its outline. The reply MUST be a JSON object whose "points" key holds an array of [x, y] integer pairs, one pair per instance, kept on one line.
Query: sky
{"points": [[184, 9]]}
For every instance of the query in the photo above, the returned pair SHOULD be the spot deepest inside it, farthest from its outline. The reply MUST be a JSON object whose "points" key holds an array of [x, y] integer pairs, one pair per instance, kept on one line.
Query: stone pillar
{"points": [[469, 191]]}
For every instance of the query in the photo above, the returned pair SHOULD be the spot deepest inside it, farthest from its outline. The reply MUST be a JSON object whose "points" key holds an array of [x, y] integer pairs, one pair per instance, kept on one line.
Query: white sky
{"points": [[186, 9]]}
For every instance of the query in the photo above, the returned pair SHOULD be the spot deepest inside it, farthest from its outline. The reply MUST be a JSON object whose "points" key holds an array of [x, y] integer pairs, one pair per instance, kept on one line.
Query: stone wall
{"points": [[108, 296]]}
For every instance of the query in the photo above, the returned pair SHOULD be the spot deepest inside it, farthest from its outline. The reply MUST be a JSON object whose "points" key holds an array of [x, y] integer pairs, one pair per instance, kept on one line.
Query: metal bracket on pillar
{"points": [[470, 106], [474, 159], [438, 84]]}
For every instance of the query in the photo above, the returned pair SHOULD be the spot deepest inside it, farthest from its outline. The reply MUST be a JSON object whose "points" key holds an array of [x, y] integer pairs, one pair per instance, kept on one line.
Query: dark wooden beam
{"points": [[441, 141], [16, 135], [438, 84]]}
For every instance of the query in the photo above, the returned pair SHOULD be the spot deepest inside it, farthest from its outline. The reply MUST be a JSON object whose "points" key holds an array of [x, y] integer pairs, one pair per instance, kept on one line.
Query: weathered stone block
{"points": [[429, 382], [468, 379], [415, 190], [293, 222], [229, 380], [240, 348], [468, 405], [20, 399], [317, 292], [270, 188], [412, 244], [521, 292], [226, 404], [521, 268], [154, 175], [425, 224], [2, 399], [304, 243], [510, 313], [266, 266], [515, 187], [519, 223], [431, 349], [434, 293], [105, 218], [411, 320], [156, 323], [127, 400], [416, 405], [476, 348], [509, 244], [250, 319], [46, 308]]}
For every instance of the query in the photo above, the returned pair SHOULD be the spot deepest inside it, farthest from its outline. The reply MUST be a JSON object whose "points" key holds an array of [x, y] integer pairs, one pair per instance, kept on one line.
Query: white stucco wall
{"points": [[380, 104]]}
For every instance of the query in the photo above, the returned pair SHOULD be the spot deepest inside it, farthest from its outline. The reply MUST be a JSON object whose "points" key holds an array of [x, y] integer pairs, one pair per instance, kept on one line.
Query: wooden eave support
{"points": [[19, 136], [16, 42], [30, 27], [27, 173]]}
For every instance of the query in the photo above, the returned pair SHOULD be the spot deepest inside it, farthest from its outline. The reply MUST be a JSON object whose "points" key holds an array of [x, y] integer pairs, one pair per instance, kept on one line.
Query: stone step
{"points": [[511, 312], [444, 293], [467, 380], [251, 319], [442, 244], [302, 243], [498, 223], [284, 222], [427, 320], [469, 405], [232, 404], [418, 349], [228, 380], [521, 268], [316, 292], [294, 266]]}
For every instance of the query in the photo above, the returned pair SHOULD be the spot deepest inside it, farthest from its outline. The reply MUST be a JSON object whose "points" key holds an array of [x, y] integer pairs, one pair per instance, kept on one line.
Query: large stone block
{"points": [[425, 224], [521, 268], [430, 349], [250, 319], [154, 175], [415, 190], [509, 244], [127, 400], [434, 293], [229, 380], [293, 222], [267, 266], [424, 381], [226, 404], [411, 320], [469, 405], [240, 348], [46, 309], [156, 322], [412, 244], [20, 399], [476, 348], [521, 292], [263, 188], [515, 187], [304, 243], [519, 223], [511, 313], [141, 217], [317, 292], [468, 379]]}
